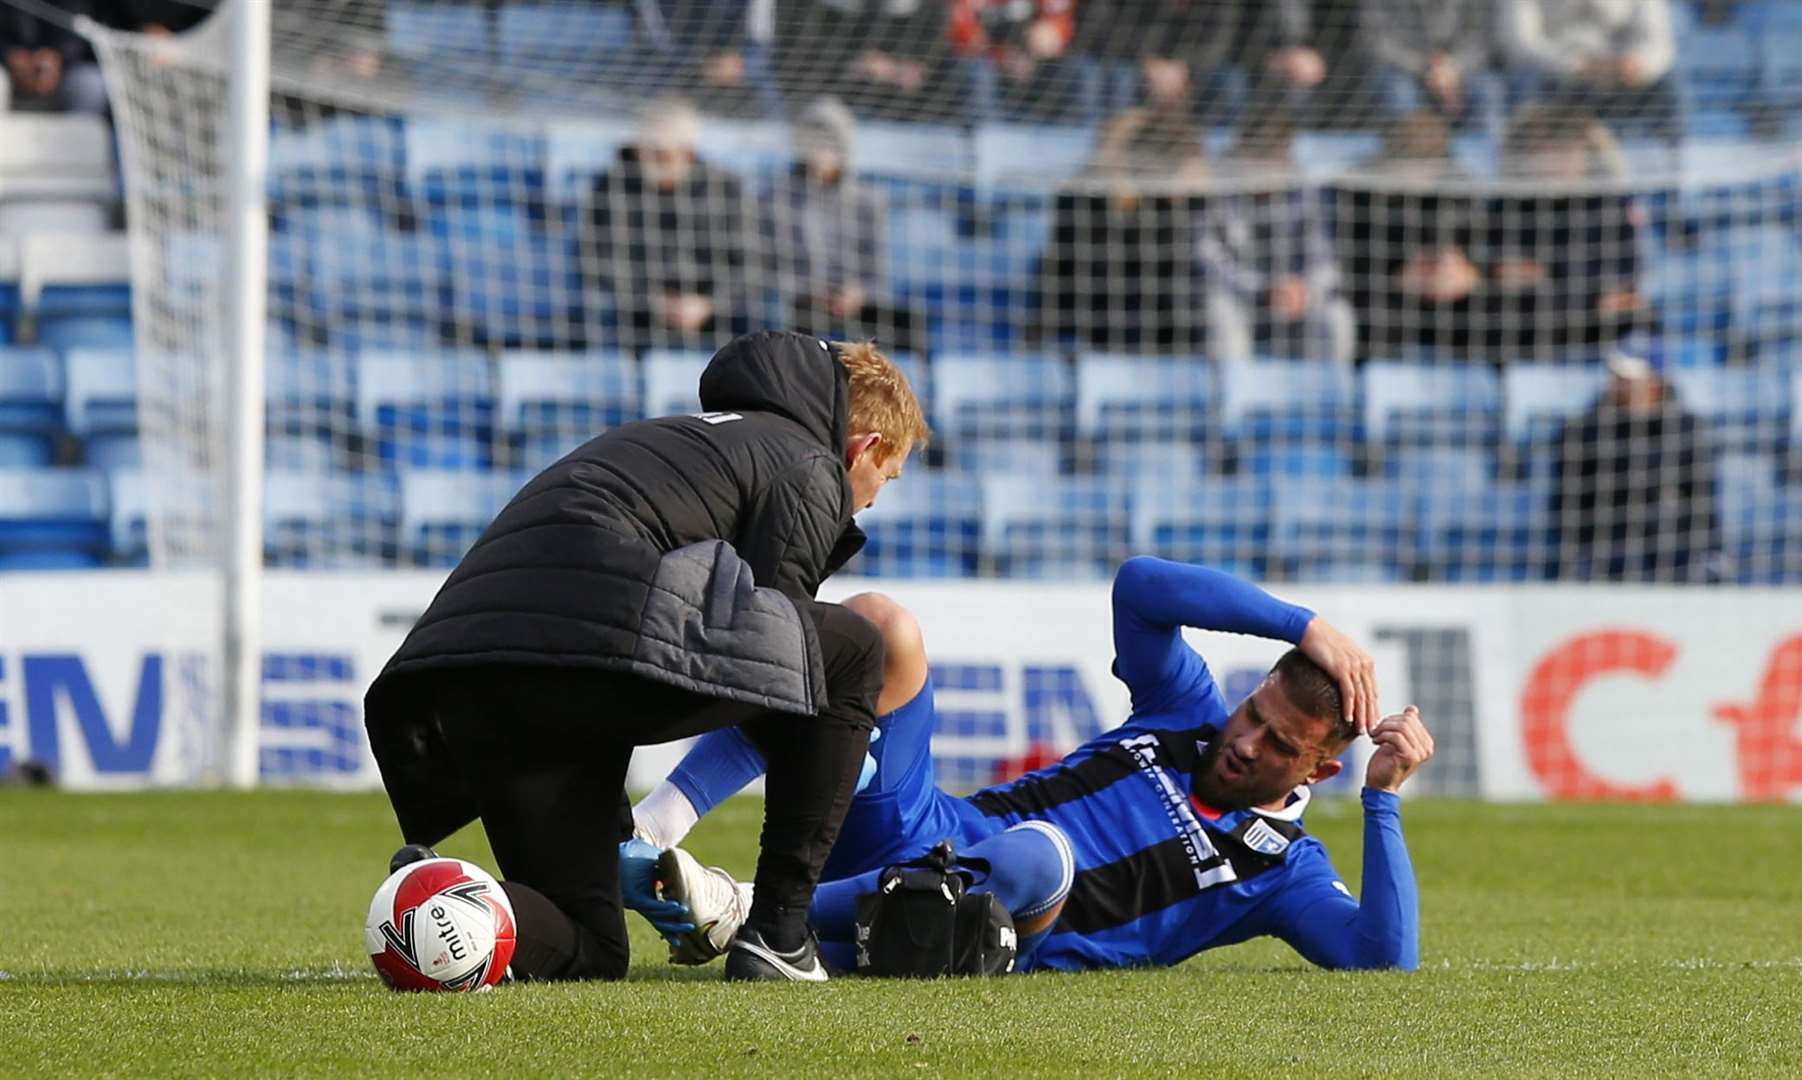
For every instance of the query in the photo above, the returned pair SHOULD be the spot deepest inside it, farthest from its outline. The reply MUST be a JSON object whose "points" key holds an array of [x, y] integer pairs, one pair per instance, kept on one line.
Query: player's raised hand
{"points": [[1403, 745], [1349, 665]]}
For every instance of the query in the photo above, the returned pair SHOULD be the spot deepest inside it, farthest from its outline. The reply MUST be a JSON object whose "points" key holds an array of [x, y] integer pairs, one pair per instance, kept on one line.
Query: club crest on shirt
{"points": [[1265, 840]]}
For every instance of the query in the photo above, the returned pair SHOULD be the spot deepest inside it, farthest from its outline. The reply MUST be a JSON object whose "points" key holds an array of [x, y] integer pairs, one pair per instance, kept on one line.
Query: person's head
{"points": [[824, 137], [665, 141], [1289, 732], [1636, 384], [887, 423], [1558, 141]]}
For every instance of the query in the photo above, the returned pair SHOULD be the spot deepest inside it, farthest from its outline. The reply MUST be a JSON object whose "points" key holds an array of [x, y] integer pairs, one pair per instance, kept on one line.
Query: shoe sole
{"points": [[695, 947]]}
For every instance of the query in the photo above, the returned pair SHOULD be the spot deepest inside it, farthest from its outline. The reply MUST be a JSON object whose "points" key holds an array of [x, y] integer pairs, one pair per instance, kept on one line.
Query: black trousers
{"points": [[546, 753]]}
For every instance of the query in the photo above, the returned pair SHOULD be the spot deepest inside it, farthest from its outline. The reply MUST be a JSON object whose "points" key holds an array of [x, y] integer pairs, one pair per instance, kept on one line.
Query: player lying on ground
{"points": [[1178, 831]]}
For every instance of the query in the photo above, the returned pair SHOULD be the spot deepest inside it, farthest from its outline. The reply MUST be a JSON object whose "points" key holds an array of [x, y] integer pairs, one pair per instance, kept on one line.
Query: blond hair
{"points": [[882, 400]]}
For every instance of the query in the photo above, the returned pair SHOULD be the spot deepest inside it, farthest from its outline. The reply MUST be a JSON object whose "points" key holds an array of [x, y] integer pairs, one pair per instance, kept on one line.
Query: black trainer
{"points": [[410, 854], [753, 960]]}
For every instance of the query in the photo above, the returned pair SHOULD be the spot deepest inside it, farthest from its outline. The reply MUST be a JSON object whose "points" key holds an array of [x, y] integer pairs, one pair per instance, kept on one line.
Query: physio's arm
{"points": [[1331, 929], [1155, 598]]}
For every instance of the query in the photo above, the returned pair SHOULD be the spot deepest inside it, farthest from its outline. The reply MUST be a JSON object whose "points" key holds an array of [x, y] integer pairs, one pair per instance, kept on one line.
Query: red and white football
{"points": [[440, 924]]}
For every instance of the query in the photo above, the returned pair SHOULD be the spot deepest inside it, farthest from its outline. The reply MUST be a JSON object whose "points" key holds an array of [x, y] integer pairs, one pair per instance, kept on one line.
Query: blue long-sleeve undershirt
{"points": [[1320, 919], [1155, 598]]}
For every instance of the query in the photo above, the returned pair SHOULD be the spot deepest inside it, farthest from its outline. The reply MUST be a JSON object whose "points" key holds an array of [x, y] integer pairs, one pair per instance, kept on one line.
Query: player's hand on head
{"points": [[1403, 745], [1349, 665]]}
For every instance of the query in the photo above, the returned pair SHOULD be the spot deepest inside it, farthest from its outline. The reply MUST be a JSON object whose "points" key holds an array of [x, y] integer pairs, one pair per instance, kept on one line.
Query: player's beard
{"points": [[1223, 794]]}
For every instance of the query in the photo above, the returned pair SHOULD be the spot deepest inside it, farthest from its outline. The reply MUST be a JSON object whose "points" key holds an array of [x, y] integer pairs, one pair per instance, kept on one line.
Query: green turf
{"points": [[220, 934]]}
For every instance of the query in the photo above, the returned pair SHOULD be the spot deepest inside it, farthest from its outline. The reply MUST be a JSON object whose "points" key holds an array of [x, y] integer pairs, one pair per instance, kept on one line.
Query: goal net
{"points": [[1321, 293]]}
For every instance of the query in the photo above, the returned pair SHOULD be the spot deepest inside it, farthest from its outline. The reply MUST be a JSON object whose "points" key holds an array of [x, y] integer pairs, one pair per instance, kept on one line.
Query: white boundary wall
{"points": [[1533, 692]]}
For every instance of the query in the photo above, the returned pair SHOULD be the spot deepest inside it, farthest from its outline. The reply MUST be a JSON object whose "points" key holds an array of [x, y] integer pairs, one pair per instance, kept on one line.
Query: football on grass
{"points": [[440, 924]]}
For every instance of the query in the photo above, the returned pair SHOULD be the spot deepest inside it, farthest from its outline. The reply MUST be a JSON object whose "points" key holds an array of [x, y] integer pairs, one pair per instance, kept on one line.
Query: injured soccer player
{"points": [[1179, 831]]}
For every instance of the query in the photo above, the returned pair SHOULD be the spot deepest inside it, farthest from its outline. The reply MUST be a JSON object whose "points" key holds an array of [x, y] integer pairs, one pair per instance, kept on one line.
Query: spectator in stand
{"points": [[1289, 49], [887, 59], [1614, 56], [1176, 52], [1634, 486], [1272, 284], [718, 52], [51, 67], [825, 238], [1403, 230], [1120, 269], [1016, 54], [1561, 265], [666, 235], [1434, 54]]}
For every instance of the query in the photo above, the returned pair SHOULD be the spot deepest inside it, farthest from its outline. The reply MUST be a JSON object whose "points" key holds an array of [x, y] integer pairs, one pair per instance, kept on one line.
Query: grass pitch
{"points": [[220, 934]]}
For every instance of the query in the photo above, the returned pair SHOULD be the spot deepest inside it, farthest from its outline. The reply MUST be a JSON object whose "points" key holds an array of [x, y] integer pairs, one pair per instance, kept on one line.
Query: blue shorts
{"points": [[902, 812]]}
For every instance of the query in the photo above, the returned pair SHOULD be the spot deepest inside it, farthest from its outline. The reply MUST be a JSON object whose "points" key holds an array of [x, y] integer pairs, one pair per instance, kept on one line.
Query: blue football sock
{"points": [[716, 767]]}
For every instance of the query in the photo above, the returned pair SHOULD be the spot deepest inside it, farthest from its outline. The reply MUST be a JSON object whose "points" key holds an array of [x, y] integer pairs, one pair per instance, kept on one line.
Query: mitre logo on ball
{"points": [[440, 924]]}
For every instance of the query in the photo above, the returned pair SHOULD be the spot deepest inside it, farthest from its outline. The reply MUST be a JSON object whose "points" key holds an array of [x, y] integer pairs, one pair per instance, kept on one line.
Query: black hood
{"points": [[781, 372]]}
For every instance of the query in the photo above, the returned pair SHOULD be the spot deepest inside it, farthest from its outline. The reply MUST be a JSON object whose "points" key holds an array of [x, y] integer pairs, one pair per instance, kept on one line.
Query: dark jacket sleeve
{"points": [[788, 537]]}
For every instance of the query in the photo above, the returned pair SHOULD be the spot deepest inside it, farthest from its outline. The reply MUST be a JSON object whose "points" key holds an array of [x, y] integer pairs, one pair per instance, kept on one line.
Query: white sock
{"points": [[664, 817]]}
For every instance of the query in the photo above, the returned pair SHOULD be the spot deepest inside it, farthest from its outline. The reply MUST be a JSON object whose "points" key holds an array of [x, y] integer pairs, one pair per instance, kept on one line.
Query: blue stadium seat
{"points": [[745, 147], [385, 332], [1692, 291], [52, 519], [1439, 472], [1043, 460], [904, 150], [672, 381], [344, 160], [128, 521], [435, 31], [442, 513], [1034, 529], [1287, 401], [314, 520], [1321, 525], [1173, 461], [302, 453], [561, 34], [566, 398], [309, 392], [1037, 152], [578, 151], [1761, 520], [1297, 460], [929, 525], [1144, 398], [1766, 280], [1744, 408], [359, 269], [1539, 398], [86, 331], [102, 392], [31, 405], [510, 285], [1431, 404], [1223, 523], [1719, 66], [1329, 153], [427, 410], [985, 395], [1486, 534]]}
